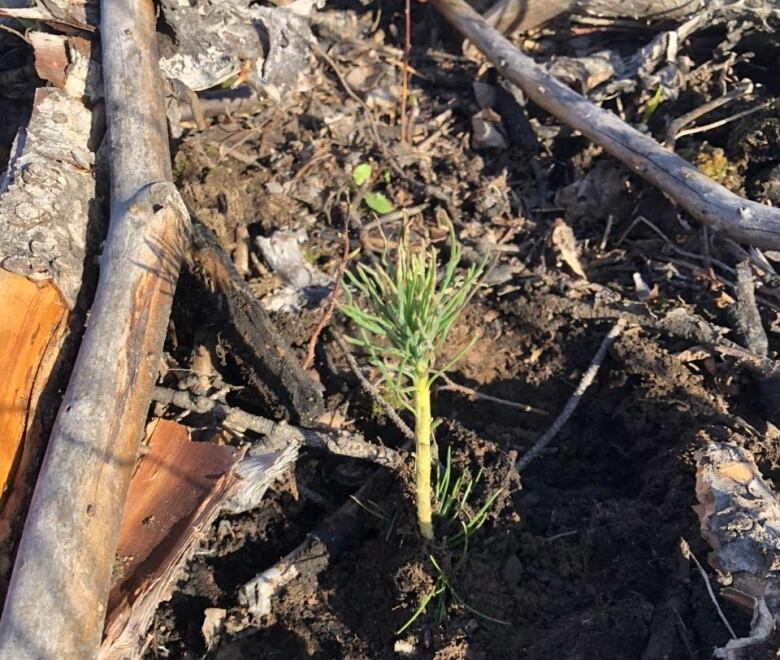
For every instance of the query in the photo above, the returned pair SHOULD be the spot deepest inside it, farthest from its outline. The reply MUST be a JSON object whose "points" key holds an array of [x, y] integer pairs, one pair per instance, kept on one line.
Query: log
{"points": [[56, 601], [48, 221], [706, 201]]}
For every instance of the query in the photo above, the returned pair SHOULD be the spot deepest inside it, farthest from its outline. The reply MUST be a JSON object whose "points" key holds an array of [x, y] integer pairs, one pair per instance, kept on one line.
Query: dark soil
{"points": [[580, 556]]}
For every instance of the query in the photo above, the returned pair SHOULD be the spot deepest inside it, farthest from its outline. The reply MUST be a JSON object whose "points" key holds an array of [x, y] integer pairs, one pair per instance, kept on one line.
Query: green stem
{"points": [[422, 437]]}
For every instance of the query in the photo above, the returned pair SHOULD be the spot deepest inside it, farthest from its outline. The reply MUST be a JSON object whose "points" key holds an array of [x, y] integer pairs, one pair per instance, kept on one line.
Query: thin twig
{"points": [[722, 122], [280, 433], [16, 33], [334, 296], [451, 385], [405, 67], [575, 398], [372, 391], [676, 127], [688, 554]]}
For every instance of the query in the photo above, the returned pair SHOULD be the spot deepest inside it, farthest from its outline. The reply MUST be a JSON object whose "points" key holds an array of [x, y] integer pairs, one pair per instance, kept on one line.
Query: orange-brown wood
{"points": [[176, 492], [31, 329]]}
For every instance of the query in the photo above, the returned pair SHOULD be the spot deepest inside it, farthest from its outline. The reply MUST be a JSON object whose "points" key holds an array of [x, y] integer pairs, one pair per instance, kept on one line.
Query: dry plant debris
{"points": [[616, 163]]}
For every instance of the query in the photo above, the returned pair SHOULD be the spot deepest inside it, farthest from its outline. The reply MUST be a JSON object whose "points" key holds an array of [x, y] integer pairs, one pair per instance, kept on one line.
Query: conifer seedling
{"points": [[404, 312]]}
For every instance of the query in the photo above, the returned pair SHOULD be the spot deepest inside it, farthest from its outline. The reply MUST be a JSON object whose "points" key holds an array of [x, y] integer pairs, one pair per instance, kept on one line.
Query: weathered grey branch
{"points": [[56, 602], [281, 434], [524, 15], [708, 202]]}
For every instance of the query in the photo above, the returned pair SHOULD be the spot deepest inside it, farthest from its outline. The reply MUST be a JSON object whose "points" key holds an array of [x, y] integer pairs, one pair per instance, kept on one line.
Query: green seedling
{"points": [[376, 201], [408, 314], [653, 104]]}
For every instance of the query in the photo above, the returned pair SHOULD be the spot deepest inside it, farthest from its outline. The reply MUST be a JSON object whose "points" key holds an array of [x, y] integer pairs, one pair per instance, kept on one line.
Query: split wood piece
{"points": [[265, 358], [49, 223], [175, 494], [281, 434], [55, 606], [739, 514], [177, 491], [32, 335], [708, 202]]}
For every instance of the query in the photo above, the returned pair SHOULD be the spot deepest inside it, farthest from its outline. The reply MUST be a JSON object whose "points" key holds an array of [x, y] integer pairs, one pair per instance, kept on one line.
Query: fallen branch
{"points": [[574, 400], [710, 203], [56, 601], [281, 434]]}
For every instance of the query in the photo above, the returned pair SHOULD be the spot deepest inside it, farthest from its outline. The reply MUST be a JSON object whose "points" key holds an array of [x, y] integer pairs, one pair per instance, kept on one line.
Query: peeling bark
{"points": [[739, 514], [47, 195], [48, 225]]}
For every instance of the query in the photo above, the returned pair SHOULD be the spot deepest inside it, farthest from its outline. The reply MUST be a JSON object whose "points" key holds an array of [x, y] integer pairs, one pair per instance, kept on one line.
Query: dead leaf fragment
{"points": [[213, 625], [566, 245]]}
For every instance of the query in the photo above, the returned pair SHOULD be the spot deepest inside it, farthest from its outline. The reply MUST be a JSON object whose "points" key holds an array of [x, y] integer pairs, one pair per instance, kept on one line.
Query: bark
{"points": [[740, 519], [55, 607], [177, 491], [49, 224], [708, 202]]}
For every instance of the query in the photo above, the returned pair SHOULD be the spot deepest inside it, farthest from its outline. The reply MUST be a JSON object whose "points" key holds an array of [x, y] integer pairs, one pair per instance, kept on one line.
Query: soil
{"points": [[580, 554]]}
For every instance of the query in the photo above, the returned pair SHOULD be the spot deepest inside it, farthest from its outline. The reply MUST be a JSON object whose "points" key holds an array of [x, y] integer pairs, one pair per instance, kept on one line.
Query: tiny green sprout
{"points": [[653, 104], [408, 314], [361, 174], [376, 201]]}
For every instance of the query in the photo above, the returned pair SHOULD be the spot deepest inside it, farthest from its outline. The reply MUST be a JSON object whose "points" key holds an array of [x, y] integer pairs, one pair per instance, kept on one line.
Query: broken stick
{"points": [[56, 601], [708, 202], [281, 434]]}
